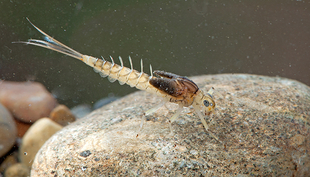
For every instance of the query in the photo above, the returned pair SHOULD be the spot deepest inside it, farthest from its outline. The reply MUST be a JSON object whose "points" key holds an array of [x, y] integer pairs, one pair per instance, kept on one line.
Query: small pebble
{"points": [[104, 101], [8, 161], [85, 153], [17, 170], [22, 127], [27, 101], [35, 137], [297, 140], [8, 130], [62, 115], [81, 110]]}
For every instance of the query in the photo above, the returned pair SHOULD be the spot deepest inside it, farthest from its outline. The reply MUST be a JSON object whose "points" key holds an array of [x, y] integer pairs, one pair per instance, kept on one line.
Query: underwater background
{"points": [[185, 37]]}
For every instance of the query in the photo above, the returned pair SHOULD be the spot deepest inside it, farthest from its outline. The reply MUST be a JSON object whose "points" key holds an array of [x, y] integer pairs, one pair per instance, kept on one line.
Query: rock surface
{"points": [[262, 123], [35, 137], [62, 115], [8, 130], [27, 101]]}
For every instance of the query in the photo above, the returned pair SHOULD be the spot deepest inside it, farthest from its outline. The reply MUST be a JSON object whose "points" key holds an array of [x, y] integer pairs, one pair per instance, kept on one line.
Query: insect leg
{"points": [[141, 125], [205, 123], [150, 111], [176, 114]]}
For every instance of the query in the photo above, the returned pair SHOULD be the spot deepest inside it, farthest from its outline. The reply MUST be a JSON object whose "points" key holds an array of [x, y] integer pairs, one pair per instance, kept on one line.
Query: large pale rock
{"points": [[35, 137], [8, 130], [262, 124], [27, 101]]}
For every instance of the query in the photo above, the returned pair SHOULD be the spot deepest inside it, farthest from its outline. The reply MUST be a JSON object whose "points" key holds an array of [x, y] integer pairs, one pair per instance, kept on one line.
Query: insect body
{"points": [[173, 88]]}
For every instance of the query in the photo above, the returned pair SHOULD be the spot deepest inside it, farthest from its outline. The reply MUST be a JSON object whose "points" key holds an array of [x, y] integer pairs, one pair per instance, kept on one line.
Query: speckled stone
{"points": [[8, 130], [35, 137], [27, 101], [262, 123]]}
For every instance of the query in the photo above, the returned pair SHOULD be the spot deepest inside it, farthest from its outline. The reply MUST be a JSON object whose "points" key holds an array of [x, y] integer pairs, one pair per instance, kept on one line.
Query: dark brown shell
{"points": [[174, 85]]}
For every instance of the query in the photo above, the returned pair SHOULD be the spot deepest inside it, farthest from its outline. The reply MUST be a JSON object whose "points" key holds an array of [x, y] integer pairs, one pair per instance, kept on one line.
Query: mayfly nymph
{"points": [[171, 87]]}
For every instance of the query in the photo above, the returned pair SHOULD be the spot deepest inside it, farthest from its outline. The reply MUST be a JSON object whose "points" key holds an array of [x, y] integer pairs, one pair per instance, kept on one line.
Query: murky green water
{"points": [[184, 37]]}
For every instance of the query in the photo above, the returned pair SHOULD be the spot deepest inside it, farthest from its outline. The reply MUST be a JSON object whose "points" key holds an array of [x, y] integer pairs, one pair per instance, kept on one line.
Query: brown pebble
{"points": [[62, 115], [22, 127], [27, 101]]}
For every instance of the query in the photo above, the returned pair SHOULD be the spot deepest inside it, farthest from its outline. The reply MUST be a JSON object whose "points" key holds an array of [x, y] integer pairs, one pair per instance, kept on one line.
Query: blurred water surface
{"points": [[185, 37]]}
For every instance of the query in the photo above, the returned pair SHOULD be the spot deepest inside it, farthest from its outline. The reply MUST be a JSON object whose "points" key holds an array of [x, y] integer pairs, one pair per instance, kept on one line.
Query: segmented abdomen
{"points": [[124, 75]]}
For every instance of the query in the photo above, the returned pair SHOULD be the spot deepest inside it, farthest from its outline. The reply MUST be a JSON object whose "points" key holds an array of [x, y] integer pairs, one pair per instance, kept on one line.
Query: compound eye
{"points": [[206, 103]]}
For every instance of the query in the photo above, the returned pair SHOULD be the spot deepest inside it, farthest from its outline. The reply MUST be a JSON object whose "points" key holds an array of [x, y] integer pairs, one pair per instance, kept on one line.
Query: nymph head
{"points": [[204, 102]]}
